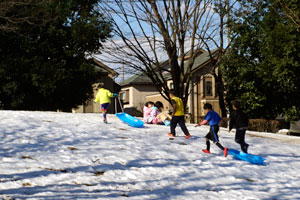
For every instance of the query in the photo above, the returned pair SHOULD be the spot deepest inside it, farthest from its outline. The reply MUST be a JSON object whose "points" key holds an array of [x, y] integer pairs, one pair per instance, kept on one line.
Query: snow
{"points": [[49, 155]]}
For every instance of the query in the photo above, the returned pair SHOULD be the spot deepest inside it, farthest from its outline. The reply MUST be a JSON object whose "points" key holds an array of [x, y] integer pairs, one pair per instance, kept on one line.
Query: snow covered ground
{"points": [[53, 156]]}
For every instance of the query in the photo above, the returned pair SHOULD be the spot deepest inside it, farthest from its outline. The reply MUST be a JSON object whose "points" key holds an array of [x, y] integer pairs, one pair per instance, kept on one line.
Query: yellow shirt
{"points": [[179, 106], [103, 96]]}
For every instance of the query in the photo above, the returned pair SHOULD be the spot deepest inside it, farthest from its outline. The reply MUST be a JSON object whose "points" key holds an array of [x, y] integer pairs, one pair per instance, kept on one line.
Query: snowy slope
{"points": [[48, 155]]}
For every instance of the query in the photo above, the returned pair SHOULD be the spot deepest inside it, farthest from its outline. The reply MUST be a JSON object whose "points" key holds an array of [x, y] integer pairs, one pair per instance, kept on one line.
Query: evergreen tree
{"points": [[263, 68], [45, 66]]}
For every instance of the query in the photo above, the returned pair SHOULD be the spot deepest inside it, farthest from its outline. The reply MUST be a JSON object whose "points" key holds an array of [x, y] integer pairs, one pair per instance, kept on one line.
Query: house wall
{"points": [[137, 95], [198, 98], [90, 106]]}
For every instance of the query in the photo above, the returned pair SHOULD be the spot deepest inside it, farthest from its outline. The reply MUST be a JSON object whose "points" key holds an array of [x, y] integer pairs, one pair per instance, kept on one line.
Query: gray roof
{"points": [[104, 68], [139, 78], [202, 59]]}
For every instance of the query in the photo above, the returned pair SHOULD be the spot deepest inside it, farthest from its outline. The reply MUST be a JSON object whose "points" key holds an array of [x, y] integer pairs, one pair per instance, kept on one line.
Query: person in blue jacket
{"points": [[213, 119]]}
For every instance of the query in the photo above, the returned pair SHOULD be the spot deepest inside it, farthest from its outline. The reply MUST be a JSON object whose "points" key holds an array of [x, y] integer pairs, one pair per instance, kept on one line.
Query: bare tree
{"points": [[216, 36], [147, 29]]}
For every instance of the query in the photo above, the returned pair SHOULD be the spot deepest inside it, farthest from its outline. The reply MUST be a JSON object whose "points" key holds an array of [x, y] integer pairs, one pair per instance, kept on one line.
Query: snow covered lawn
{"points": [[48, 155]]}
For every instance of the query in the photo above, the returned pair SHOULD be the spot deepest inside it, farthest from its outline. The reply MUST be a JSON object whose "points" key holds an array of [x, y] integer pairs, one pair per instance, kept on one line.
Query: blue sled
{"points": [[254, 159], [130, 120]]}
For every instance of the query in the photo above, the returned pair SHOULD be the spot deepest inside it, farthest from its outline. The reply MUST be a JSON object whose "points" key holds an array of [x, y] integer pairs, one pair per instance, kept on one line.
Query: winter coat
{"points": [[179, 106], [146, 113], [103, 96], [213, 118], [238, 119]]}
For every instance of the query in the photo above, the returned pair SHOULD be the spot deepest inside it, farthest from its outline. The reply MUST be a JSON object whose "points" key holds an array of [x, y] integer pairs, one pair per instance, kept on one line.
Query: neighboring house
{"points": [[203, 89], [134, 91], [106, 76]]}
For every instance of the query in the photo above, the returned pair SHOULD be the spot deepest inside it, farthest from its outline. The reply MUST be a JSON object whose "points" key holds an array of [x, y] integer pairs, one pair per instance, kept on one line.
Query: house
{"points": [[106, 76], [203, 88], [139, 89], [134, 92]]}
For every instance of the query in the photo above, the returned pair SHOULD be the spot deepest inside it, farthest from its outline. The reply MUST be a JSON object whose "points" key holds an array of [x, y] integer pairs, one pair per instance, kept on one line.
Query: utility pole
{"points": [[123, 73]]}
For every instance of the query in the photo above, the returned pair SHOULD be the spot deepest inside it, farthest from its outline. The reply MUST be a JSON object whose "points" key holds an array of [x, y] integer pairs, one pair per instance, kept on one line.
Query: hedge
{"points": [[261, 125]]}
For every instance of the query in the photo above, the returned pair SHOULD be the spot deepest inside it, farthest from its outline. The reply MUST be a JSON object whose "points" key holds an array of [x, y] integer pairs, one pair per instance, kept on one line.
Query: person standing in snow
{"points": [[239, 119], [103, 97], [177, 116], [213, 119]]}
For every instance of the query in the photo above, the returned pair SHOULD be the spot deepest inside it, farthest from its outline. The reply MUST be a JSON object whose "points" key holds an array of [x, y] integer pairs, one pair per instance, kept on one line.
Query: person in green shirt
{"points": [[177, 116], [103, 97]]}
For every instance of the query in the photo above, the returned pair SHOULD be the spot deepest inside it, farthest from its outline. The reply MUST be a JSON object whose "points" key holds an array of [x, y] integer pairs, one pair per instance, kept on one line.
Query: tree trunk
{"points": [[220, 92]]}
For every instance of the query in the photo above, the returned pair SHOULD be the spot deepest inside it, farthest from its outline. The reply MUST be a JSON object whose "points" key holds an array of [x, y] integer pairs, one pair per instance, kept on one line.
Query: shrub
{"points": [[259, 125], [224, 122], [263, 125]]}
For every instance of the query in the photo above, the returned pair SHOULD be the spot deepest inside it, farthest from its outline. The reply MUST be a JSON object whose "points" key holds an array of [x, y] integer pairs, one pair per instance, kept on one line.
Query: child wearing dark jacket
{"points": [[213, 119], [239, 119]]}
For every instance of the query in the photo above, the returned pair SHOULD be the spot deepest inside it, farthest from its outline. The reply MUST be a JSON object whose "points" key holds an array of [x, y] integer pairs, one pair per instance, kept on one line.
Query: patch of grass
{"points": [[55, 170], [8, 198], [73, 148], [247, 179], [27, 185], [99, 173], [86, 184], [122, 137], [27, 157]]}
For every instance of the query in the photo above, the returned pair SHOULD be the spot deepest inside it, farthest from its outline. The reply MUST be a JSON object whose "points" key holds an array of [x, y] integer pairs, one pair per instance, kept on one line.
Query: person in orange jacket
{"points": [[103, 97]]}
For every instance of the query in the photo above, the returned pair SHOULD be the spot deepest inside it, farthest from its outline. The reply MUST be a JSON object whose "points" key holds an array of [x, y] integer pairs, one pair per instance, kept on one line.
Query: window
{"points": [[208, 86], [124, 96]]}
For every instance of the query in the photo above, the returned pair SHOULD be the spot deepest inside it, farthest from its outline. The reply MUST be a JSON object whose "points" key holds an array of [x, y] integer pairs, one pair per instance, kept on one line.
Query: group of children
{"points": [[154, 113]]}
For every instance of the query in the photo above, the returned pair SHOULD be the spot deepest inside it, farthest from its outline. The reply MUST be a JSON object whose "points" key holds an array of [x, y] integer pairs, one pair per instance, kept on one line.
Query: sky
{"points": [[52, 155], [111, 55]]}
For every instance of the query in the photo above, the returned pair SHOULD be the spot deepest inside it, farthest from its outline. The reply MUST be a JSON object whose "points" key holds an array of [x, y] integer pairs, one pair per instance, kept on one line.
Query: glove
{"points": [[115, 95]]}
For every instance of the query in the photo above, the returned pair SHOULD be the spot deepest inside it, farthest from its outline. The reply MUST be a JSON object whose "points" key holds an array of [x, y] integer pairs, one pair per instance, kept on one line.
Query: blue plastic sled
{"points": [[130, 120], [254, 159]]}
